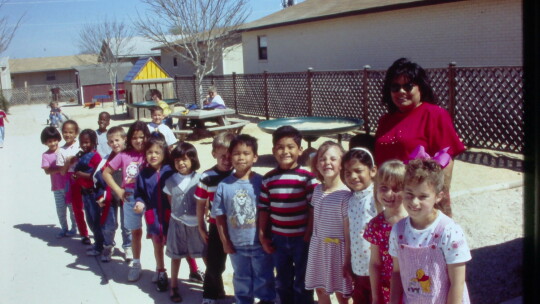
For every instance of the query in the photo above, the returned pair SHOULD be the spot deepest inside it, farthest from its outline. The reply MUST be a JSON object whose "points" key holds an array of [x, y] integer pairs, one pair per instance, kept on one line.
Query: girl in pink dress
{"points": [[388, 188], [428, 248], [329, 204]]}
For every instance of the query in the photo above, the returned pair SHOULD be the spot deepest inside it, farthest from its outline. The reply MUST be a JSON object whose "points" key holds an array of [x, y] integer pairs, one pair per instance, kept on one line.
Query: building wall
{"points": [[40, 78], [470, 33], [233, 62], [89, 91]]}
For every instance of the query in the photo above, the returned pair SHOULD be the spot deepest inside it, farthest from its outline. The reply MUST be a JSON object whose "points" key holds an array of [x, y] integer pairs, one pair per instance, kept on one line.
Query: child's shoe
{"points": [[208, 301], [61, 234], [128, 254], [106, 255], [175, 295], [162, 281], [92, 252], [71, 233], [197, 277], [86, 240], [134, 272], [155, 277]]}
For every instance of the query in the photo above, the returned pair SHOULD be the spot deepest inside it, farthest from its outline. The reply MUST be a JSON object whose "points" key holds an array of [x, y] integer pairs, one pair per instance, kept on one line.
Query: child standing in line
{"points": [[130, 162], [326, 256], [204, 194], [87, 161], [156, 125], [3, 116], [358, 172], [428, 248], [149, 197], [109, 201], [51, 137], [388, 193], [183, 238], [283, 216], [235, 206], [67, 161], [104, 119]]}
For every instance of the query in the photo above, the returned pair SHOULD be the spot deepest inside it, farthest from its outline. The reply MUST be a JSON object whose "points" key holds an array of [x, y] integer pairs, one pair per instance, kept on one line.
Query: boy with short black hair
{"points": [[156, 125], [204, 194], [235, 209], [284, 215], [104, 119]]}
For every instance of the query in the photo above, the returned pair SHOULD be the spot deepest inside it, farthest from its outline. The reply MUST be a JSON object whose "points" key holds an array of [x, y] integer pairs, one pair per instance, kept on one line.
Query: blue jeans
{"points": [[111, 225], [290, 260], [2, 134], [93, 215], [56, 119], [61, 207], [253, 274]]}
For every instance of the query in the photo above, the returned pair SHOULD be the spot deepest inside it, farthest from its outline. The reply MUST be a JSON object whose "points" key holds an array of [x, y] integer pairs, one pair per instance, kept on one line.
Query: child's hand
{"points": [[101, 201], [347, 271], [139, 207], [228, 247], [267, 245], [204, 234]]}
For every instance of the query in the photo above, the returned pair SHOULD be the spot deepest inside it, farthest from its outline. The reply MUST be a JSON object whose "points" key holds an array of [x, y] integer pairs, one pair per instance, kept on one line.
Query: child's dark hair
{"points": [[287, 131], [50, 133], [322, 149], [72, 122], [158, 139], [363, 155], [427, 170], [245, 139], [222, 140], [136, 126], [188, 150], [91, 134], [156, 92], [156, 109], [106, 114], [363, 140]]}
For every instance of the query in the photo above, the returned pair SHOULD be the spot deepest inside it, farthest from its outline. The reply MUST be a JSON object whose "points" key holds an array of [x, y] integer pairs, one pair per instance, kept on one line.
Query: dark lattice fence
{"points": [[485, 103]]}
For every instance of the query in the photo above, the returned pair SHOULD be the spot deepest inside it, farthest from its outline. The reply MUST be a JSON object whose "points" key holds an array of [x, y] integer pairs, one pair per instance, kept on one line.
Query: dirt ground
{"points": [[487, 200]]}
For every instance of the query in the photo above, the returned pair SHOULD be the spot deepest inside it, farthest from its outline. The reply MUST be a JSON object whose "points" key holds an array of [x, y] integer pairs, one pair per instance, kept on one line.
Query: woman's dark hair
{"points": [[158, 139], [91, 134], [72, 122], [50, 133], [136, 126], [185, 149], [415, 74]]}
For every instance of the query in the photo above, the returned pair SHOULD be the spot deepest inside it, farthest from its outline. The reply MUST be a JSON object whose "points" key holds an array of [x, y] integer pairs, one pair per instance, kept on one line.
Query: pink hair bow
{"points": [[442, 157]]}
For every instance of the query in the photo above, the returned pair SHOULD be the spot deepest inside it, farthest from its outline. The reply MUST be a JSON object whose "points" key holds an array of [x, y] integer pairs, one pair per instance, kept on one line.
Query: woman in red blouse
{"points": [[414, 119]]}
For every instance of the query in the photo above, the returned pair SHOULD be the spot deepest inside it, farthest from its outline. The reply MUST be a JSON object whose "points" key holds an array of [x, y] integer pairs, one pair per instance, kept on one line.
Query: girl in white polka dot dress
{"points": [[358, 173]]}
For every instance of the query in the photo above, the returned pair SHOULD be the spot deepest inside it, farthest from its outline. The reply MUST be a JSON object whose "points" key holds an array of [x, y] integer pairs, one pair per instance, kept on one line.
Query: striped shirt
{"points": [[208, 185], [286, 195]]}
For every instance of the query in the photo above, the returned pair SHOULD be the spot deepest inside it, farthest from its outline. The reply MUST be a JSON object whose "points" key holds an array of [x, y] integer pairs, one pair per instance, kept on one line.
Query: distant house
{"points": [[5, 79], [47, 70], [130, 51], [94, 80], [349, 34]]}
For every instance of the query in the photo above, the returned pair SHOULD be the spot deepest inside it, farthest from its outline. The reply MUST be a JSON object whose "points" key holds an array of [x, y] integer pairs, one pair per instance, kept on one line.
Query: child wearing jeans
{"points": [[235, 204], [284, 214], [51, 137], [3, 116]]}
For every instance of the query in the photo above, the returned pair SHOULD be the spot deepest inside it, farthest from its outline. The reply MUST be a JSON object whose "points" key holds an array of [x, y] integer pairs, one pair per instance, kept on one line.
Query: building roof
{"points": [[136, 47], [315, 10], [146, 69], [46, 64], [97, 74]]}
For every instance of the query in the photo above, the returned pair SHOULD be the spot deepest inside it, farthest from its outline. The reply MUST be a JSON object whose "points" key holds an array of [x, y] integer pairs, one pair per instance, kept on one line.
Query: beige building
{"points": [[349, 34]]}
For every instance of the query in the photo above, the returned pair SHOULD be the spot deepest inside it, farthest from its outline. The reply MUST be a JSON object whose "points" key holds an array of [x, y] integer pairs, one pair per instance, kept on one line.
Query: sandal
{"points": [[175, 296]]}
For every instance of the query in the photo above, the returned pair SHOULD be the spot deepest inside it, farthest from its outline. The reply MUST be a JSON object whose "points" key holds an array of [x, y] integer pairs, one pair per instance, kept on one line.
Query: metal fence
{"points": [[37, 94], [486, 103]]}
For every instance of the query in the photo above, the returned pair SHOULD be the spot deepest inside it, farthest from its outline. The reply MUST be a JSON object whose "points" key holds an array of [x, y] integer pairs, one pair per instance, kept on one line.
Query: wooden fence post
{"points": [[195, 89], [234, 92], [309, 92], [365, 78], [452, 89], [265, 91]]}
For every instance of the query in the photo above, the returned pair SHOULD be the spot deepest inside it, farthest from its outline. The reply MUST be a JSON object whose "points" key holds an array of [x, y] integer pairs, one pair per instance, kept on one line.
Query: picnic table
{"points": [[219, 116]]}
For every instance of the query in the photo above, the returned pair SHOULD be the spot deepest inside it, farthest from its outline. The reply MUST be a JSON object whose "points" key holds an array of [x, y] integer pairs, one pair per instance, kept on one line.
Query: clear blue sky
{"points": [[51, 27]]}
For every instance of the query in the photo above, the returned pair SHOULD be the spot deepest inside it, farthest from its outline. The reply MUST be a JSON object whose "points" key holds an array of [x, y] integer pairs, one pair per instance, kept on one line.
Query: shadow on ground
{"points": [[495, 272], [490, 160], [115, 271]]}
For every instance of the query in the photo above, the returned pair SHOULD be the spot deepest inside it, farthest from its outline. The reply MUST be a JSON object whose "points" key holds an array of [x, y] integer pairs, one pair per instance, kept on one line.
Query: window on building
{"points": [[263, 48], [175, 61], [50, 77]]}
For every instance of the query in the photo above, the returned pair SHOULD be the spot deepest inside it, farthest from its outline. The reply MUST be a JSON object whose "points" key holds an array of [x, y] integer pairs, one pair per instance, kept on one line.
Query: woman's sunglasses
{"points": [[395, 87]]}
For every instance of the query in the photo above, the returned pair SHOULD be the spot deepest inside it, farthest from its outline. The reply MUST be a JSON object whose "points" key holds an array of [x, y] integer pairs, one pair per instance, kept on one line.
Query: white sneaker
{"points": [[208, 301], [93, 252], [106, 255], [134, 272], [155, 277], [128, 254]]}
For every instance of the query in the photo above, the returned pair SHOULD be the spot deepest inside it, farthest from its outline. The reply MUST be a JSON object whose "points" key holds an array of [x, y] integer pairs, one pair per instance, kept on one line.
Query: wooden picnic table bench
{"points": [[236, 126]]}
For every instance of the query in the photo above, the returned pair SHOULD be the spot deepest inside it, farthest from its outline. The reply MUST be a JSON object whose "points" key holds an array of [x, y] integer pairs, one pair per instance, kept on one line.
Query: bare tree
{"points": [[197, 31], [7, 31], [109, 39]]}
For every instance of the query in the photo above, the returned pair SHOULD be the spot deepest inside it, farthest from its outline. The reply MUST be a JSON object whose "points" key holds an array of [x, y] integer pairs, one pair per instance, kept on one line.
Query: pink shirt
{"points": [[2, 115], [48, 160], [130, 162]]}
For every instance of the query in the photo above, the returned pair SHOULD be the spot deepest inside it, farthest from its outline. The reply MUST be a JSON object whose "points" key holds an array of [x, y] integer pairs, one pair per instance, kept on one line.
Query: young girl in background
{"points": [[428, 248], [130, 161], [149, 196], [67, 161], [358, 172], [388, 191], [183, 238], [326, 256], [87, 161], [51, 137]]}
